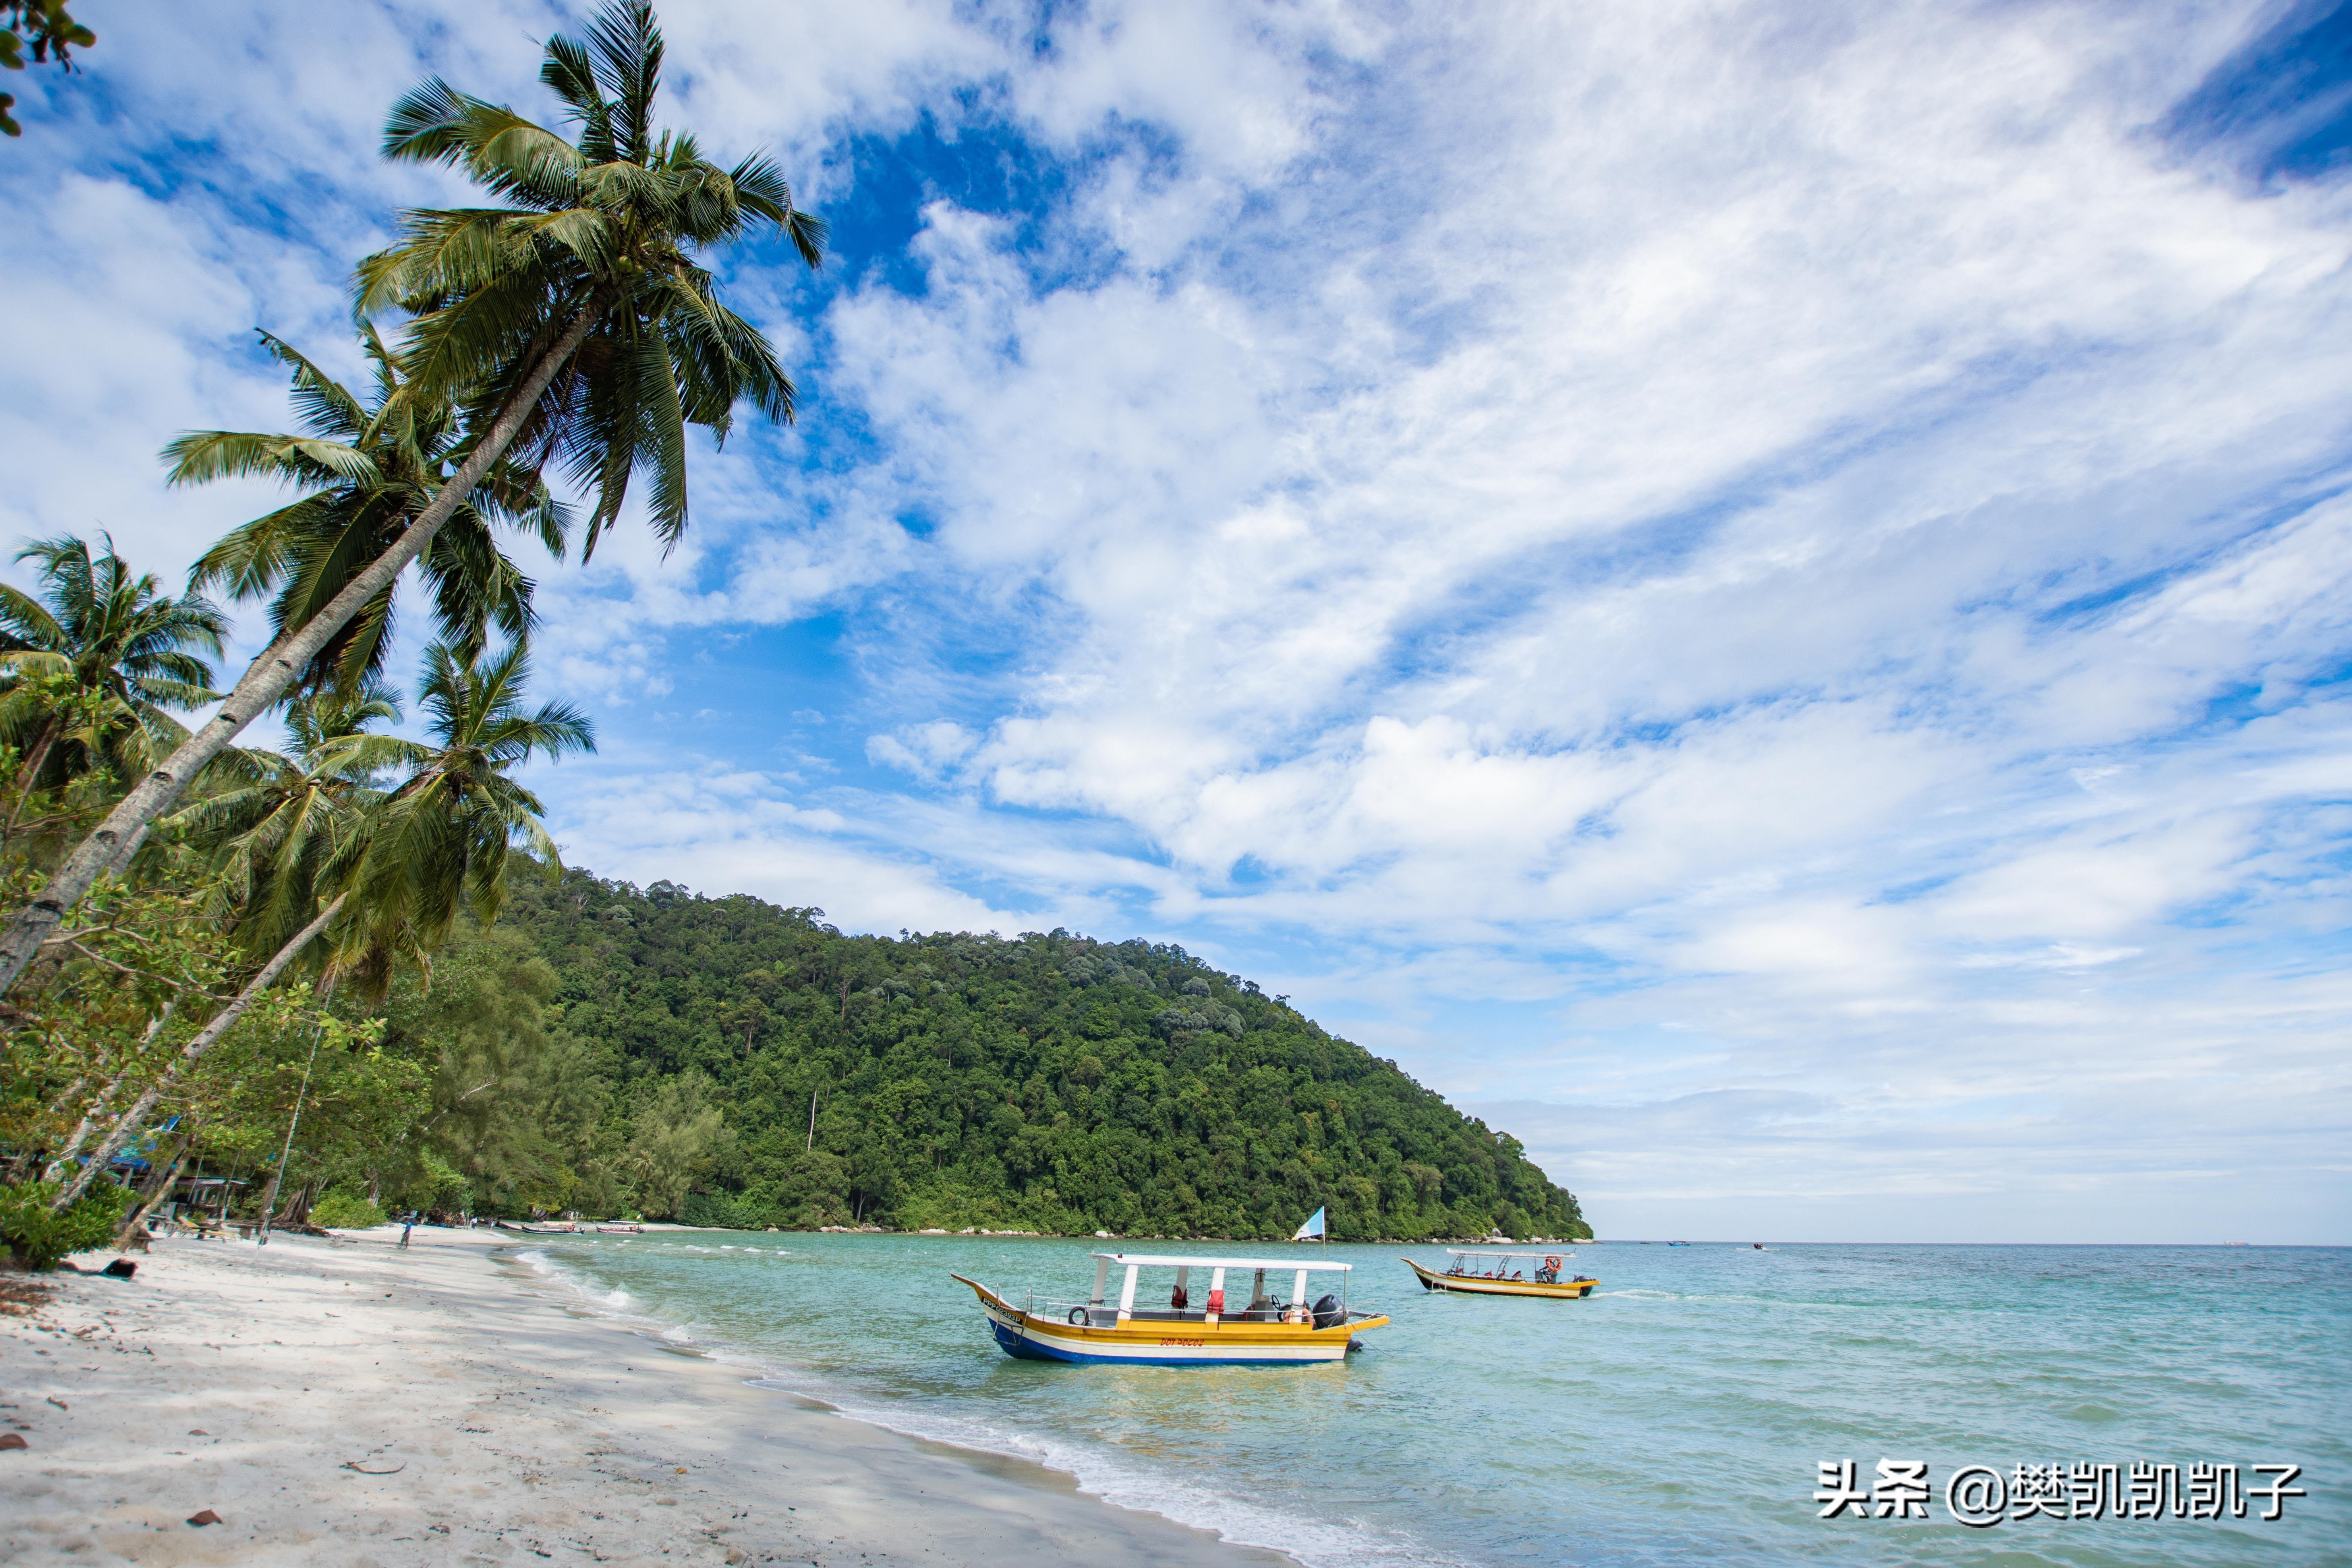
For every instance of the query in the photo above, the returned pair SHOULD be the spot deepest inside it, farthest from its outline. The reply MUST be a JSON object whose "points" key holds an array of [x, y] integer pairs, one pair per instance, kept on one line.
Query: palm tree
{"points": [[296, 830], [597, 242], [406, 863], [277, 837], [300, 824], [368, 469], [573, 320], [279, 843], [447, 835], [86, 678], [132, 1120]]}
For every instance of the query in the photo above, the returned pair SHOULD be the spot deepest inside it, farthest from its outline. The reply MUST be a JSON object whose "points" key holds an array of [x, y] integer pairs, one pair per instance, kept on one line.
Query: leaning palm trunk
{"points": [[120, 864], [157, 1190], [82, 1129], [221, 1024], [34, 758], [105, 1096], [266, 680], [98, 1103]]}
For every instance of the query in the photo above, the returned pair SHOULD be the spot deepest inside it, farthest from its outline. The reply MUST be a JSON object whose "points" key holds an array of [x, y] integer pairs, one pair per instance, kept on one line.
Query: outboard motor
{"points": [[1327, 1311]]}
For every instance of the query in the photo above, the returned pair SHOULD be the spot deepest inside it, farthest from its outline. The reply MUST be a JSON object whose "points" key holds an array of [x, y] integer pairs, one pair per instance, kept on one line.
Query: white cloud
{"points": [[717, 828], [927, 751], [1653, 535]]}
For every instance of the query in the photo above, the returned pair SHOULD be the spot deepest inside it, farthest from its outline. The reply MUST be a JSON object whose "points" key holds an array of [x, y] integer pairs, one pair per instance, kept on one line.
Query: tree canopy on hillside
{"points": [[769, 1069]]}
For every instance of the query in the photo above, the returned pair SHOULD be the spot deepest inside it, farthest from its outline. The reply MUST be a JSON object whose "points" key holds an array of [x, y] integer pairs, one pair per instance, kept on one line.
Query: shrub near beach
{"points": [[39, 1237], [342, 1211]]}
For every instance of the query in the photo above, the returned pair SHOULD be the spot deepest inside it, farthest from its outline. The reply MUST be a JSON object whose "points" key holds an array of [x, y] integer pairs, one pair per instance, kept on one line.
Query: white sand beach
{"points": [[347, 1401]]}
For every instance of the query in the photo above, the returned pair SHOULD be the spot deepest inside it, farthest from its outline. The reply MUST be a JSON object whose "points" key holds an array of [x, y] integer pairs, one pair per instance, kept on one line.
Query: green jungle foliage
{"points": [[728, 1062]]}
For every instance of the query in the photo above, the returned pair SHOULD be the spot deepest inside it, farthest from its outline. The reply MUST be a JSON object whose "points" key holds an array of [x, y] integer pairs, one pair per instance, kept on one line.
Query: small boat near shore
{"points": [[1479, 1272], [1253, 1331]]}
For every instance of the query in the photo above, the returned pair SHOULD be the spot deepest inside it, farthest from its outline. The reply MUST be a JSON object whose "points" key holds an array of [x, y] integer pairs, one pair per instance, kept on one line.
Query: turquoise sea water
{"points": [[1676, 1416]]}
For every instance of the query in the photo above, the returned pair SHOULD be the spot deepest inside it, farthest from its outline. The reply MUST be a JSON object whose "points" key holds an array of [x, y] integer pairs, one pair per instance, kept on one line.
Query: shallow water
{"points": [[1678, 1416]]}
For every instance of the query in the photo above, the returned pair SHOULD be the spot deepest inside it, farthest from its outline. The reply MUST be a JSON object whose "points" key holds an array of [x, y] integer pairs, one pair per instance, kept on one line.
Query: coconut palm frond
{"points": [[99, 658], [603, 229], [364, 487]]}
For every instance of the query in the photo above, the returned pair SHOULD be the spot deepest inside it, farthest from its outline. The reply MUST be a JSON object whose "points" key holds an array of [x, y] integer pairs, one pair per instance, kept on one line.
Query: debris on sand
{"points": [[18, 1296]]}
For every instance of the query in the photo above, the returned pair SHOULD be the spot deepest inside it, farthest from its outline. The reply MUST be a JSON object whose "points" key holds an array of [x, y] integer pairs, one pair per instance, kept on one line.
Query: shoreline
{"points": [[650, 1226], [342, 1400]]}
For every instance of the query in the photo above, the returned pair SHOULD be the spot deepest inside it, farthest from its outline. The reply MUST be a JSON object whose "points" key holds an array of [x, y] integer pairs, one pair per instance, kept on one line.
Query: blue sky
{"points": [[1756, 592]]}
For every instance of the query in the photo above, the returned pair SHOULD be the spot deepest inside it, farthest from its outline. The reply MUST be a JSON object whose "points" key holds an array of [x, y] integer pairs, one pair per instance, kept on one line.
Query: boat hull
{"points": [[1465, 1285], [1143, 1342]]}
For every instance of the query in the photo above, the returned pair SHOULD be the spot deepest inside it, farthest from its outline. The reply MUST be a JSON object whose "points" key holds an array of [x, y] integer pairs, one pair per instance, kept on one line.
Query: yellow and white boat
{"points": [[1253, 1331], [1487, 1273]]}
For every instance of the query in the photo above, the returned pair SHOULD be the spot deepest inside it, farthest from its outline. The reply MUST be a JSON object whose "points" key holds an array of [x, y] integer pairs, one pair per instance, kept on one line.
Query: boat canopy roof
{"points": [[1548, 1249], [1290, 1264]]}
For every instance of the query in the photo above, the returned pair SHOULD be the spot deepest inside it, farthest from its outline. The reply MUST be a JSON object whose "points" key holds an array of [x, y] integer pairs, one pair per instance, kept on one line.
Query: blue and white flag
{"points": [[1314, 1226]]}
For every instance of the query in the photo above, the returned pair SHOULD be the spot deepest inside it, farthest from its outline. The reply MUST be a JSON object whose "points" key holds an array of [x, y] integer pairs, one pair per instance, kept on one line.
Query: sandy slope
{"points": [[265, 1383]]}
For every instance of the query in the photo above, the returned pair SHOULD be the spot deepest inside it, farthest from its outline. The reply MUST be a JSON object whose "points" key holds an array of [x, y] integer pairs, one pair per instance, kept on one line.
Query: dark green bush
{"points": [[344, 1211], [39, 1236], [720, 1212]]}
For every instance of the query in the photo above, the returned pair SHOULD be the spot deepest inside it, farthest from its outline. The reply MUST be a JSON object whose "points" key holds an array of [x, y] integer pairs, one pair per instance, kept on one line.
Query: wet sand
{"points": [[346, 1402]]}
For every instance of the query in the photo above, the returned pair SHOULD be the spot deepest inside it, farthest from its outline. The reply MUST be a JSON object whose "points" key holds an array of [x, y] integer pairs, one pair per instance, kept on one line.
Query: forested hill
{"points": [[1047, 1082]]}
